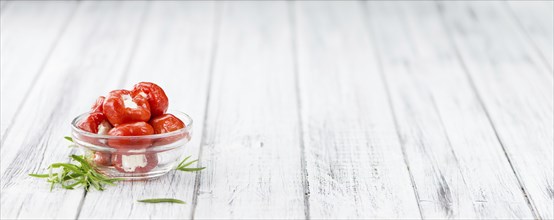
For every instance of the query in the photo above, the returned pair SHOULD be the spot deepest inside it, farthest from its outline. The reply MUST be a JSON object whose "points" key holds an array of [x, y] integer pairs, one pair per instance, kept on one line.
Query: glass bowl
{"points": [[133, 157]]}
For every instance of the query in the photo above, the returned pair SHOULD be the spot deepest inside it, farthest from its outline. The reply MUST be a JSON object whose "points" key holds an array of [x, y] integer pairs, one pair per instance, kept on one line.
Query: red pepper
{"points": [[156, 97], [121, 107], [102, 158], [135, 163], [167, 123], [97, 107], [131, 129], [96, 122], [92, 122]]}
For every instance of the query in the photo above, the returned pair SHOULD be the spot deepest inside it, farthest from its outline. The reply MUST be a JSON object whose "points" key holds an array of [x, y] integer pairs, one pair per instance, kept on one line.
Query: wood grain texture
{"points": [[71, 79], [516, 90], [23, 54], [309, 109], [536, 18], [441, 121], [250, 147], [181, 33], [354, 160]]}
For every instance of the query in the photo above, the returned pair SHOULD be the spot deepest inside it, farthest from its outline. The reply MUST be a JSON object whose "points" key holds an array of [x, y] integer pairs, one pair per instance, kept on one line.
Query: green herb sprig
{"points": [[83, 174], [69, 175], [68, 138], [162, 200], [184, 166]]}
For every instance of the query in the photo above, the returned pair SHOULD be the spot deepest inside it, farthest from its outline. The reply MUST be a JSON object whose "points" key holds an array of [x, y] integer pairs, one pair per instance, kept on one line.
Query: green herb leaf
{"points": [[68, 166], [184, 166], [192, 169], [184, 160], [71, 140], [69, 175], [162, 200], [39, 175]]}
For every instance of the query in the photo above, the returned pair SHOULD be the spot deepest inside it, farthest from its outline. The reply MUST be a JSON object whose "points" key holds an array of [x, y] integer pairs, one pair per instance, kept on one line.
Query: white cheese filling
{"points": [[128, 102], [143, 94], [131, 162], [104, 127]]}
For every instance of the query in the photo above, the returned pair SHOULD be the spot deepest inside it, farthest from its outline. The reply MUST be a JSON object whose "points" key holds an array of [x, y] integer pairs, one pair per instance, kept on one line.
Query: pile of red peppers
{"points": [[136, 112]]}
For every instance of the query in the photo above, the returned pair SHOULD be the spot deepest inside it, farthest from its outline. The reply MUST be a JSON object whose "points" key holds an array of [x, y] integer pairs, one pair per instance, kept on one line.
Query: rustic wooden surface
{"points": [[322, 110]]}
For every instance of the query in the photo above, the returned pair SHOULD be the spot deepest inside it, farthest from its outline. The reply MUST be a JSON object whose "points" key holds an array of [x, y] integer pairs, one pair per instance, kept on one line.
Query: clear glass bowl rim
{"points": [[181, 115]]}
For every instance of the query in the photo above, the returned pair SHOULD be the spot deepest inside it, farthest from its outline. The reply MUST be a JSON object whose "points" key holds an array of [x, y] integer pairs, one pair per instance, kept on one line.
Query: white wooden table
{"points": [[318, 110]]}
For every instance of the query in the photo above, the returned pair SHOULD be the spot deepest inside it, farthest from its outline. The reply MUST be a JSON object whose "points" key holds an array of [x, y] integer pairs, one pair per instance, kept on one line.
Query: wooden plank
{"points": [[175, 52], [91, 54], [441, 122], [354, 160], [516, 90], [251, 144], [30, 31], [536, 18]]}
